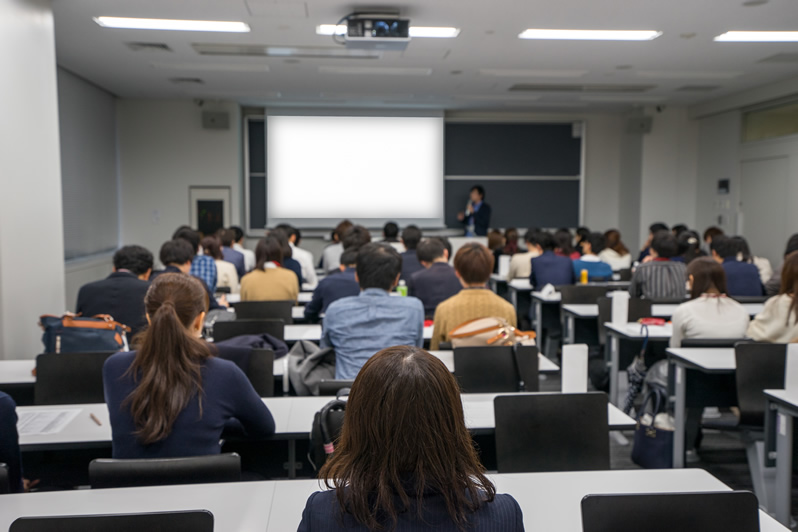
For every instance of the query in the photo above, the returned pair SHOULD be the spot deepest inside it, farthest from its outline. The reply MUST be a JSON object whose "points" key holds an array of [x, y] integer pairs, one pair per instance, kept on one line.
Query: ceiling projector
{"points": [[377, 32]]}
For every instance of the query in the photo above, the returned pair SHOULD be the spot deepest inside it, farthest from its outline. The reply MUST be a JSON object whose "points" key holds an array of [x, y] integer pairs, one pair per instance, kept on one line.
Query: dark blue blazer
{"points": [[121, 295], [237, 258], [433, 285], [551, 269], [410, 264], [742, 278], [294, 266], [9, 441], [322, 514], [331, 288], [481, 220]]}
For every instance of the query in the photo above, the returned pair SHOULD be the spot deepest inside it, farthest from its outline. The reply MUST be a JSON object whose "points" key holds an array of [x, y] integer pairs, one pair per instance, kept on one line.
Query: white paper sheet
{"points": [[45, 421]]}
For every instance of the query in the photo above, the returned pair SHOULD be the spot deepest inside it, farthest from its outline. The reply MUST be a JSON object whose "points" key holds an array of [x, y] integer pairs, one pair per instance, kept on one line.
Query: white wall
{"points": [[163, 150], [718, 158], [603, 147], [31, 224]]}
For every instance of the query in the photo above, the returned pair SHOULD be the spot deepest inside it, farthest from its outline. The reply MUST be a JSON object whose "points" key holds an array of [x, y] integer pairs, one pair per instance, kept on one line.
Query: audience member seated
{"points": [[405, 460], [744, 254], [742, 278], [357, 327], [331, 256], [678, 229], [227, 237], [709, 234], [660, 278], [710, 313], [616, 254], [390, 234], [269, 281], [773, 286], [288, 259], [121, 294], [581, 235], [437, 281], [652, 230], [411, 236], [226, 273], [203, 267], [302, 256], [689, 247], [355, 238], [473, 265], [334, 287], [476, 217], [778, 321], [238, 245], [592, 245], [549, 268], [171, 397], [496, 246], [521, 262], [563, 244], [9, 442], [177, 255], [511, 242]]}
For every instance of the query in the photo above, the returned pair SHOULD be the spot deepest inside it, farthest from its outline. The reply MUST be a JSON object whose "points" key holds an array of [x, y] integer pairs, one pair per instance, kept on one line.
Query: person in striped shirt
{"points": [[660, 278]]}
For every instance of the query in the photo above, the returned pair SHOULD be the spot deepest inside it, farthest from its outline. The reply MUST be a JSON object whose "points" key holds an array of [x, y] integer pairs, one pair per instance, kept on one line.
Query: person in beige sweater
{"points": [[521, 263], [473, 265], [778, 321], [269, 281]]}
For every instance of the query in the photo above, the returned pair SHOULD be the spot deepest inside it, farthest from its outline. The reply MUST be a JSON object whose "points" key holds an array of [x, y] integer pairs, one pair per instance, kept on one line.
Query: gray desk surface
{"points": [[706, 359], [294, 333], [785, 398], [660, 310], [549, 501], [634, 330]]}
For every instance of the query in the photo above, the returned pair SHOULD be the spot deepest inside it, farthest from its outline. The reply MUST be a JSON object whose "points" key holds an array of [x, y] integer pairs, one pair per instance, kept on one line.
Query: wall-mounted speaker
{"points": [[215, 120], [641, 124]]}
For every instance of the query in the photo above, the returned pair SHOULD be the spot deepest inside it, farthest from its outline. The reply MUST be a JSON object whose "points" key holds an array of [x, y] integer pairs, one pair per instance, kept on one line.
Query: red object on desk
{"points": [[427, 323], [652, 321]]}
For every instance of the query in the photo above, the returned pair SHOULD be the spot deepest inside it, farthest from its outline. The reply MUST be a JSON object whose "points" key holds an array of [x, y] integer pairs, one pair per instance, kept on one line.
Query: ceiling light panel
{"points": [[382, 71], [172, 24], [590, 35], [531, 73], [758, 36]]}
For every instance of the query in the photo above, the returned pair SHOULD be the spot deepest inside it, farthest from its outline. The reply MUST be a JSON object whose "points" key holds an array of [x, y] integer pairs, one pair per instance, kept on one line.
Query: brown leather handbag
{"points": [[489, 332]]}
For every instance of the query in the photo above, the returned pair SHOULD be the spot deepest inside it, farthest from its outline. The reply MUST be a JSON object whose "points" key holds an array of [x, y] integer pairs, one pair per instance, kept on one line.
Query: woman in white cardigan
{"points": [[778, 321]]}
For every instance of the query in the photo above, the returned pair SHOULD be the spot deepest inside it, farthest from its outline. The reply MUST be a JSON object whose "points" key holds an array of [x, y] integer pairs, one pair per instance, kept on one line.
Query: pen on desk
{"points": [[96, 420]]}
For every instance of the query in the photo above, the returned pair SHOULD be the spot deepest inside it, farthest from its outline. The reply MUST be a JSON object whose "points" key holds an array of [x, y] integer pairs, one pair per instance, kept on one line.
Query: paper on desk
{"points": [[45, 421]]}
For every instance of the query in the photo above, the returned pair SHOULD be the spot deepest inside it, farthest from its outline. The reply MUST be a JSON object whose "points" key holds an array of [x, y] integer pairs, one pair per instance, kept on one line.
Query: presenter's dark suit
{"points": [[434, 285], [742, 278], [481, 220], [551, 269], [322, 514], [410, 264], [120, 295]]}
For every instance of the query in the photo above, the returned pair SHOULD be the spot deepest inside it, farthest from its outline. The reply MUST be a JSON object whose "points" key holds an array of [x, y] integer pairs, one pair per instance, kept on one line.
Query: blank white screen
{"points": [[361, 168]]}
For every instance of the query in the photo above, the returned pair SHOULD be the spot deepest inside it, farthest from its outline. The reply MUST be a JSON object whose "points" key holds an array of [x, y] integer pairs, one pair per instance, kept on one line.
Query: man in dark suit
{"points": [[411, 236], [477, 214], [742, 278], [121, 294], [228, 237], [437, 282], [334, 287], [549, 268]]}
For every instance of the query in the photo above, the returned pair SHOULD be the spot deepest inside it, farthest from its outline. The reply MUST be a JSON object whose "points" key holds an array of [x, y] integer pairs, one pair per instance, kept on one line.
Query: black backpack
{"points": [[326, 429]]}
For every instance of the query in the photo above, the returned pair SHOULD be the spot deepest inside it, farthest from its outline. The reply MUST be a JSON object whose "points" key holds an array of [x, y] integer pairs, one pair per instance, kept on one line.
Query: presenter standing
{"points": [[477, 213]]}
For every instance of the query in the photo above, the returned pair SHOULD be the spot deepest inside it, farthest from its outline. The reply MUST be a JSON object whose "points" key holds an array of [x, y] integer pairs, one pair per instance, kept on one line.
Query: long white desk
{"points": [[303, 298], [294, 333], [549, 501], [782, 410]]}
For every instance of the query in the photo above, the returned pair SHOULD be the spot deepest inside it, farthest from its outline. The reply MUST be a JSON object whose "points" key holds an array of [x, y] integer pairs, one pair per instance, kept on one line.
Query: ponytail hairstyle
{"points": [[169, 357]]}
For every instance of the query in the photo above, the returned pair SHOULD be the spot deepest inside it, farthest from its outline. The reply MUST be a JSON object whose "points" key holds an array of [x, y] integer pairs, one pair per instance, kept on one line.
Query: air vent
{"points": [[297, 52], [148, 47], [187, 81], [781, 58], [698, 88], [527, 87]]}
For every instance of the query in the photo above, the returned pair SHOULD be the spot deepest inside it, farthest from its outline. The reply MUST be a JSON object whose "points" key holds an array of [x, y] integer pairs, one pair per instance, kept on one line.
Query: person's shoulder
{"points": [[119, 362], [342, 304], [502, 510], [409, 302], [7, 404]]}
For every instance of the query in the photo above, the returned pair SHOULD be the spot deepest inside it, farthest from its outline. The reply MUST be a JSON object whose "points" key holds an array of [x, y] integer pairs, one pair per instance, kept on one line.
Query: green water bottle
{"points": [[402, 288]]}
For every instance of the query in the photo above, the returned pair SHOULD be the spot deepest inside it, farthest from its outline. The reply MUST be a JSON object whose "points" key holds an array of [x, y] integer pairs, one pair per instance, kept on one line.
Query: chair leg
{"points": [[763, 478]]}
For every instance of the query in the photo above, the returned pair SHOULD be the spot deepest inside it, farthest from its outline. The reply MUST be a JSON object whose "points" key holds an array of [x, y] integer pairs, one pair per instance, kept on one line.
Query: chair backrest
{"points": [[710, 342], [665, 512], [259, 371], [759, 367], [265, 310], [551, 432], [638, 308], [222, 330], [113, 473], [625, 274], [492, 369], [69, 378], [184, 521], [574, 368], [5, 482], [750, 299], [333, 386], [581, 294]]}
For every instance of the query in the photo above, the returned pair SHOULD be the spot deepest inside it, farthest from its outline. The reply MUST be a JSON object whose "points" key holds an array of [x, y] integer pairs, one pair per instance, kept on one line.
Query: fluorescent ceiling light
{"points": [[415, 31], [382, 71], [591, 35], [174, 25], [758, 36]]}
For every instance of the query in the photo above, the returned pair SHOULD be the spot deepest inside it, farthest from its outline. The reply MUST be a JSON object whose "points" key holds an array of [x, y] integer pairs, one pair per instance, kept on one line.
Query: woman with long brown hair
{"points": [[405, 460], [615, 253], [778, 321], [172, 397]]}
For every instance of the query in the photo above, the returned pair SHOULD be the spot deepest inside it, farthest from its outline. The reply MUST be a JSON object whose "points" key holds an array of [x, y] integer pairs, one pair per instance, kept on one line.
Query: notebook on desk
{"points": [[668, 512]]}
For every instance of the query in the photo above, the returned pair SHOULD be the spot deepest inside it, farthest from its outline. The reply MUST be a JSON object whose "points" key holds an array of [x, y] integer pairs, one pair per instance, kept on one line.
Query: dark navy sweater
{"points": [[227, 396], [9, 441]]}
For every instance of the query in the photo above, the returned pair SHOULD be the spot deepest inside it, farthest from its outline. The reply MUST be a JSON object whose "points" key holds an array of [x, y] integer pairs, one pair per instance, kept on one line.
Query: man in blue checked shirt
{"points": [[202, 266]]}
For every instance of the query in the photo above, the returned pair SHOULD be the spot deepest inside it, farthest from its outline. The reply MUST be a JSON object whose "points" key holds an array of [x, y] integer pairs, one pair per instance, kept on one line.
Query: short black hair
{"points": [[430, 249], [289, 231], [238, 232], [282, 238], [678, 229], [480, 190], [411, 236], [597, 242], [177, 251], [665, 244], [378, 265], [227, 237], [390, 230], [792, 245], [656, 227], [530, 235], [712, 232], [356, 237], [349, 257], [190, 236], [446, 244], [135, 259], [724, 246], [544, 239]]}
